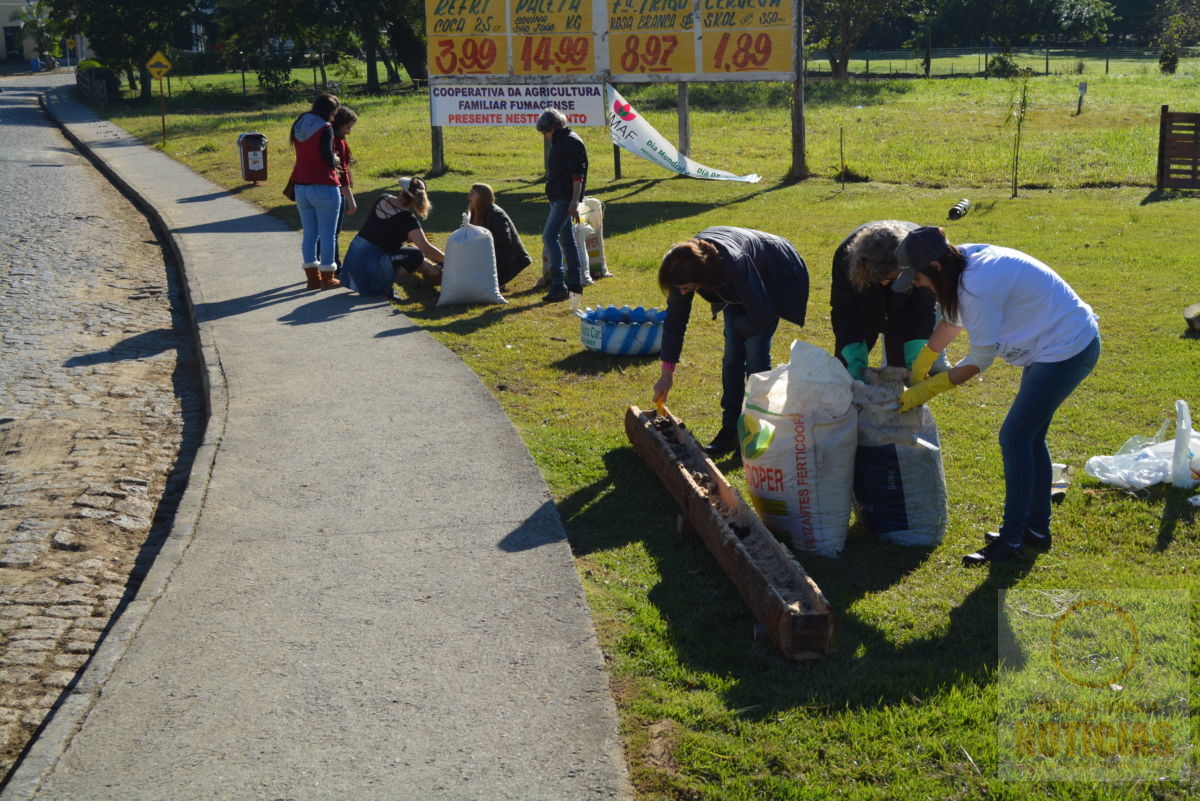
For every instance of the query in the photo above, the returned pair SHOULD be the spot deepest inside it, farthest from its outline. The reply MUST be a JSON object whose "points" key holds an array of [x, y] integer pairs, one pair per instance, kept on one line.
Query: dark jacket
{"points": [[763, 278], [511, 256], [862, 315], [566, 162]]}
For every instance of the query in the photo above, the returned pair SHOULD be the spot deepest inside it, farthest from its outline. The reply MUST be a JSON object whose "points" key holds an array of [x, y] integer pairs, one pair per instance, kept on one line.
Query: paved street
{"points": [[96, 378], [348, 604]]}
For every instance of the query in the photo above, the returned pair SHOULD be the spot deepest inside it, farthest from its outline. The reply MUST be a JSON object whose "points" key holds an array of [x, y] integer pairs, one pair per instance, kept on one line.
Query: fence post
{"points": [[1162, 150]]}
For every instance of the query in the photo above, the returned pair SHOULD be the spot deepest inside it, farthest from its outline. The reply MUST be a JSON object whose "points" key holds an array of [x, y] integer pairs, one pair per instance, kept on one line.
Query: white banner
{"points": [[510, 104], [631, 131]]}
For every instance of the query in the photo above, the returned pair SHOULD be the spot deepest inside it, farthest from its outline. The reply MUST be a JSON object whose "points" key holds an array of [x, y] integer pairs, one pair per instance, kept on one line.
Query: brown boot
{"points": [[314, 277], [328, 281]]}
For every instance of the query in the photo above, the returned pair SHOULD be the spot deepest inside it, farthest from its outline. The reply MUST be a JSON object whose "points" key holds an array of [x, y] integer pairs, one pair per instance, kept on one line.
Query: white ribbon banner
{"points": [[631, 131]]}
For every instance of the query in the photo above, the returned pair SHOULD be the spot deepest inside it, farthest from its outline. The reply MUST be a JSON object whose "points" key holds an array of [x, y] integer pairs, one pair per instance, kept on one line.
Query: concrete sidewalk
{"points": [[361, 599]]}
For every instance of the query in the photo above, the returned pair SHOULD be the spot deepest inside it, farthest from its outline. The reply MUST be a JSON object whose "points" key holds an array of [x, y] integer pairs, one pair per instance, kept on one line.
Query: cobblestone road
{"points": [[100, 409]]}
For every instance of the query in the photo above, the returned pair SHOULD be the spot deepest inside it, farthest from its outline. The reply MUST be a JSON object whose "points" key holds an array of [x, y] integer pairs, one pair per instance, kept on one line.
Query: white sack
{"points": [[469, 273], [799, 431]]}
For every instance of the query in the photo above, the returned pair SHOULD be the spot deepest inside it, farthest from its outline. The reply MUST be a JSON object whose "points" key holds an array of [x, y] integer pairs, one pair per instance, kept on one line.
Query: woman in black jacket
{"points": [[511, 256], [751, 277]]}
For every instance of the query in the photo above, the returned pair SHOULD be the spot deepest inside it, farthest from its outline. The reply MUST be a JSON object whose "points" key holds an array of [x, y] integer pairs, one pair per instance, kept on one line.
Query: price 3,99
{"points": [[465, 55]]}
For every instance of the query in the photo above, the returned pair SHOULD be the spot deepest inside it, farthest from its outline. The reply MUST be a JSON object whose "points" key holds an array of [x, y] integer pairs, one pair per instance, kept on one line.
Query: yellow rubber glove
{"points": [[922, 364], [919, 394]]}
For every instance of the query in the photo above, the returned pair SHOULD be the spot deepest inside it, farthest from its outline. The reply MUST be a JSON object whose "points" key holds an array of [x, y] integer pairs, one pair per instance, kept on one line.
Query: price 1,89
{"points": [[634, 53], [749, 51], [467, 55], [536, 55]]}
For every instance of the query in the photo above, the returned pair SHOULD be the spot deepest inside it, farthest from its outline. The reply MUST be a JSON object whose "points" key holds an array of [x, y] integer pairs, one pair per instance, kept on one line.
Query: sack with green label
{"points": [[799, 431]]}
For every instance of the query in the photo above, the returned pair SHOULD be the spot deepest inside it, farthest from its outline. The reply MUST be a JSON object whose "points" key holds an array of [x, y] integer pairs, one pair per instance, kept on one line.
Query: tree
{"points": [[404, 21], [1178, 23], [38, 25], [837, 26], [1011, 22], [124, 35]]}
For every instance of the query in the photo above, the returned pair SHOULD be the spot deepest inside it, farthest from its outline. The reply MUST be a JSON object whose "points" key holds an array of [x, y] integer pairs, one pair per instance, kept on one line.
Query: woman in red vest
{"points": [[318, 193]]}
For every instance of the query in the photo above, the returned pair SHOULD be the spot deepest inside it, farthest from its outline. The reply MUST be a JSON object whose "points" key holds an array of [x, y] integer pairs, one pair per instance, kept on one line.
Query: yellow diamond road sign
{"points": [[158, 65]]}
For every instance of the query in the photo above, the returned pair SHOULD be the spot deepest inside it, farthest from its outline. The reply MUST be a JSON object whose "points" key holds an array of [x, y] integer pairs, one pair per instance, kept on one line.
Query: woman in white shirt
{"points": [[1015, 307]]}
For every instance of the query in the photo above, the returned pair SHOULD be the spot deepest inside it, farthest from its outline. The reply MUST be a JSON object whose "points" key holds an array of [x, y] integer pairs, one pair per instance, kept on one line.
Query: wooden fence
{"points": [[1178, 150]]}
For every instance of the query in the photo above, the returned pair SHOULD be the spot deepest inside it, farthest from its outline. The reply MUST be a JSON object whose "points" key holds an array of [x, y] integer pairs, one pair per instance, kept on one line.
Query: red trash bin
{"points": [[252, 148]]}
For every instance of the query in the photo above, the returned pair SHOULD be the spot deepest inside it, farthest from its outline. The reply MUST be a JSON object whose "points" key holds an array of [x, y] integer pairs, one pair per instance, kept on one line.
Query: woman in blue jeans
{"points": [[751, 277], [318, 190], [1015, 307]]}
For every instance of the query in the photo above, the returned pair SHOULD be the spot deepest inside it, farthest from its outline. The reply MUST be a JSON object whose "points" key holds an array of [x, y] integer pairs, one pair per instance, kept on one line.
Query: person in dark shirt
{"points": [[862, 307], [392, 244], [566, 179], [751, 277], [511, 256]]}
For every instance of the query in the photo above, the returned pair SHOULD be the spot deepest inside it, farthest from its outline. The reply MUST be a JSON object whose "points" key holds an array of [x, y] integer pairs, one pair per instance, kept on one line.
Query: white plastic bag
{"points": [[1145, 461], [582, 231], [469, 273], [591, 211], [799, 431]]}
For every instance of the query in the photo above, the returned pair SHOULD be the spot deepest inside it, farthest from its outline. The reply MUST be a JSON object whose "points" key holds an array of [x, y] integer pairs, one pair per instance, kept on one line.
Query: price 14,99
{"points": [[651, 52], [553, 55], [468, 55]]}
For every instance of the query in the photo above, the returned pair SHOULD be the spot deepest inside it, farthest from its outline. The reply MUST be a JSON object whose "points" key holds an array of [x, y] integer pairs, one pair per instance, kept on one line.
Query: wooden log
{"points": [[782, 597]]}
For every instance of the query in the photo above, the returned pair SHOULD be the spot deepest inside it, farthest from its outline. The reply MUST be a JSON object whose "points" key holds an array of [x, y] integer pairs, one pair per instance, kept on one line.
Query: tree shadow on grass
{"points": [[711, 630]]}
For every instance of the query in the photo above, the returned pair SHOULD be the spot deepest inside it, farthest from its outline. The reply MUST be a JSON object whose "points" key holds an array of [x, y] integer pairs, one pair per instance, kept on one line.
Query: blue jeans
{"points": [[559, 238], [1027, 470], [741, 358], [318, 205]]}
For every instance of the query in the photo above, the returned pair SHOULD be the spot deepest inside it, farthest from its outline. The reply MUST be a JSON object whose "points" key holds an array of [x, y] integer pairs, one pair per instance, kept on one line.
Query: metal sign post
{"points": [[159, 66]]}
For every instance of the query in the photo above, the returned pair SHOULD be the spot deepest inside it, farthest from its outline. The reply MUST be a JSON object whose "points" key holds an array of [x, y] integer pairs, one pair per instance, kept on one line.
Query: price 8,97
{"points": [[748, 51], [553, 55], [635, 53], [468, 55]]}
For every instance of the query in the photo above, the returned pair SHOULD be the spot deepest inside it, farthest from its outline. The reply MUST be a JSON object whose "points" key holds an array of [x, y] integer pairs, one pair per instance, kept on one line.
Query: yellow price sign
{"points": [[467, 55], [635, 53], [553, 55], [748, 51]]}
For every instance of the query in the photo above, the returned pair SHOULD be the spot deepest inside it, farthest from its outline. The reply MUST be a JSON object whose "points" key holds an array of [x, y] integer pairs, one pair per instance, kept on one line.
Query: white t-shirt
{"points": [[1011, 300]]}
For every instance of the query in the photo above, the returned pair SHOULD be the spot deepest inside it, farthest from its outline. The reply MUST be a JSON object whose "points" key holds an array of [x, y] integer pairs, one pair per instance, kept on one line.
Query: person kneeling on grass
{"points": [[751, 277], [1015, 307], [392, 244], [511, 256]]}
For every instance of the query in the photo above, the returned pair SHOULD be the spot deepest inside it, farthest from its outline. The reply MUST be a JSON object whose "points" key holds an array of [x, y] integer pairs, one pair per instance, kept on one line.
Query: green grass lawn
{"points": [[906, 705]]}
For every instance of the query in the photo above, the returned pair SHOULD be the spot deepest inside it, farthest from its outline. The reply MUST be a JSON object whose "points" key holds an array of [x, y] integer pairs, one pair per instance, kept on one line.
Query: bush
{"points": [[97, 83], [347, 68], [275, 78], [1002, 65], [1168, 58]]}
